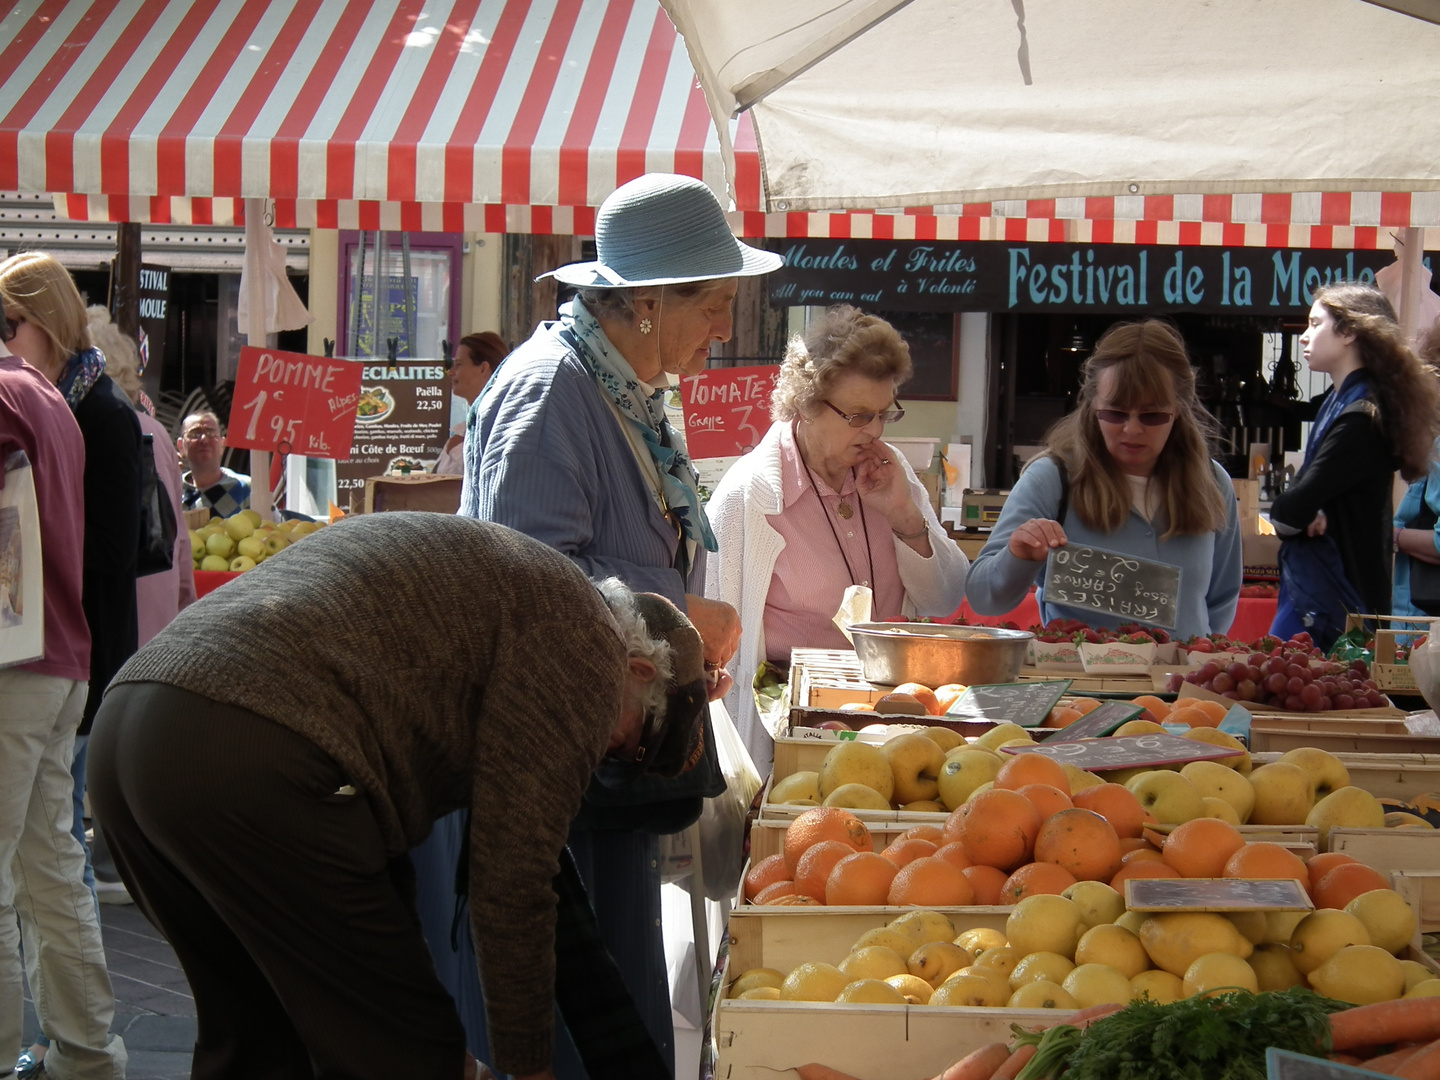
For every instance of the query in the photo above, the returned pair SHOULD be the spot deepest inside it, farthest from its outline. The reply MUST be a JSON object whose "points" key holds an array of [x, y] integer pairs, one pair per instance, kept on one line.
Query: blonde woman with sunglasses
{"points": [[1129, 470], [824, 503]]}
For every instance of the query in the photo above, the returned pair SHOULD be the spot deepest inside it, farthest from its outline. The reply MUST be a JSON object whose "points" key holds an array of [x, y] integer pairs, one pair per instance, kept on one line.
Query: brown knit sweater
{"points": [[442, 662]]}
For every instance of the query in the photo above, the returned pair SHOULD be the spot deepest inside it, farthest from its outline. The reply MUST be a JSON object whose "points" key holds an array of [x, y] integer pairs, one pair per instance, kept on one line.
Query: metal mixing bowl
{"points": [[934, 654]]}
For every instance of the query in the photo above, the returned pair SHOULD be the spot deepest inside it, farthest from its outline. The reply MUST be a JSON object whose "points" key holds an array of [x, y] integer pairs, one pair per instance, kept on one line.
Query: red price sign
{"points": [[293, 403], [727, 410]]}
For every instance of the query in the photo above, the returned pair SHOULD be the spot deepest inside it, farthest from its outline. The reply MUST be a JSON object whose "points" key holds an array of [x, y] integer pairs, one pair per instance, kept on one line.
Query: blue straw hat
{"points": [[663, 229]]}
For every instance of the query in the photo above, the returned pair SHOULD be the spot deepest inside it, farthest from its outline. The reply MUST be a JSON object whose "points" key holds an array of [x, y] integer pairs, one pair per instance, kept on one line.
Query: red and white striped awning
{"points": [[444, 114]]}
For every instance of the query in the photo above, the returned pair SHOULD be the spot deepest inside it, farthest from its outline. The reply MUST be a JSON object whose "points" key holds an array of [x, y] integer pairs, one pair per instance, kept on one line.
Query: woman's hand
{"points": [[1316, 527], [880, 481], [718, 625], [1035, 539]]}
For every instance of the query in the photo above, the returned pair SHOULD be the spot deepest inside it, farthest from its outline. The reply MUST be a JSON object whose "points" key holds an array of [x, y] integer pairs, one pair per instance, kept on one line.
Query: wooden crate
{"points": [[1360, 740], [1303, 840], [1389, 850], [767, 1040], [1386, 776], [1385, 670], [1421, 890], [806, 755]]}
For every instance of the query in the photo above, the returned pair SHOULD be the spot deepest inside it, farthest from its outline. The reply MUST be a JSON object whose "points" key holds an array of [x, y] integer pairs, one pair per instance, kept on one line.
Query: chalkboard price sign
{"points": [[1216, 894], [1127, 752], [1113, 584], [1285, 1065], [1098, 722], [1026, 704]]}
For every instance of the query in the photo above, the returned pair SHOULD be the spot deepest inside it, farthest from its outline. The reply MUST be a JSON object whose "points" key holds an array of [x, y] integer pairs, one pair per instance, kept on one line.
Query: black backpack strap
{"points": [[1064, 489]]}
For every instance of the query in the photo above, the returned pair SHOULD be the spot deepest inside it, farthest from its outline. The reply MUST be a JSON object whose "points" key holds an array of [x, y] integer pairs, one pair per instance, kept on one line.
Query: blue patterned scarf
{"points": [[1356, 388], [81, 373], [646, 412]]}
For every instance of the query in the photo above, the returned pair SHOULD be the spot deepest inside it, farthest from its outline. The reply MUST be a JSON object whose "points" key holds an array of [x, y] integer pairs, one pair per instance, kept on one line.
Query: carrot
{"points": [[1085, 1017], [1424, 1065], [1017, 1061], [980, 1065], [821, 1072], [1406, 1020], [1388, 1063]]}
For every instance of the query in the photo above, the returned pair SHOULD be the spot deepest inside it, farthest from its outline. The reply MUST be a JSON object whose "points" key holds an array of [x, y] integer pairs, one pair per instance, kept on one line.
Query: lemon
{"points": [[1045, 923], [1113, 946], [886, 938], [1176, 941], [1158, 986], [870, 992], [1361, 975], [1001, 734], [998, 979], [1416, 973], [1251, 924], [979, 939], [1132, 921], [756, 977], [873, 962], [973, 990], [1274, 969], [1098, 902], [1428, 988], [1037, 966], [760, 993], [1097, 984], [936, 961], [1321, 934], [814, 982], [1218, 972], [1001, 958], [923, 926], [1279, 925], [1042, 994], [916, 991], [1386, 917]]}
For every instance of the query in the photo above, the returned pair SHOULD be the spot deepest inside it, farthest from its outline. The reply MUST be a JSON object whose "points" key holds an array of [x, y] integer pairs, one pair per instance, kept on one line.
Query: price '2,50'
{"points": [[281, 430]]}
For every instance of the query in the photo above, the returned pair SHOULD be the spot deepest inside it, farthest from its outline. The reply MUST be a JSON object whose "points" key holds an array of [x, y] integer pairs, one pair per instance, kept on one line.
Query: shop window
{"points": [[934, 341], [417, 302]]}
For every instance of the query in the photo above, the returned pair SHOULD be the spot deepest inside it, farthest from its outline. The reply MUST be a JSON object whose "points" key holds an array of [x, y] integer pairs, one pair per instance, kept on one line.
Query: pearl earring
{"points": [[645, 326]]}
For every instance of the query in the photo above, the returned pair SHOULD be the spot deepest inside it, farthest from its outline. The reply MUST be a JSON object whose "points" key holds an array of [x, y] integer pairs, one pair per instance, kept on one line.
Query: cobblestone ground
{"points": [[154, 1011]]}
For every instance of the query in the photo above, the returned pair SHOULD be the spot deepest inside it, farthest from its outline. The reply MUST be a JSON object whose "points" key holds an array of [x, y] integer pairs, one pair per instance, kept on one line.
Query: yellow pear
{"points": [[963, 772], [915, 763], [1346, 807], [1283, 794], [1000, 734], [857, 797], [1326, 771], [1222, 810], [1169, 796], [1138, 727], [1239, 761], [1216, 781], [797, 787], [857, 763], [1079, 778], [945, 738]]}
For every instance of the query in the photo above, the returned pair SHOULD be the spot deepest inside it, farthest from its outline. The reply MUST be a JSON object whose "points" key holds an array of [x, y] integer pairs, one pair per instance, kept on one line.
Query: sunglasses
{"points": [[1119, 416], [865, 419]]}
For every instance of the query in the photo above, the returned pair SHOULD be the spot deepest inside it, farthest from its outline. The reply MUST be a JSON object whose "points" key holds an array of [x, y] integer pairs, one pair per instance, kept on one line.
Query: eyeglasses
{"points": [[198, 434], [9, 327], [865, 419], [1119, 416]]}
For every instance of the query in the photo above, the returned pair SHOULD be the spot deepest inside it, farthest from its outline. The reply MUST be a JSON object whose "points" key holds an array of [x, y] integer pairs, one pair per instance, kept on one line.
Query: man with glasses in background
{"points": [[207, 482]]}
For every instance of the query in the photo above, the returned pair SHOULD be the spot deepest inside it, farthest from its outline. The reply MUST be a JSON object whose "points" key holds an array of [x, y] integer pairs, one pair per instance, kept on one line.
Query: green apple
{"points": [[238, 527], [214, 562], [251, 516], [197, 546], [275, 543], [221, 544], [251, 548], [241, 563]]}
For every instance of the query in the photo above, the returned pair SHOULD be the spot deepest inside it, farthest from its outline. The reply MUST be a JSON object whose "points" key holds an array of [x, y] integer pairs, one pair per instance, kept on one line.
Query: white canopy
{"points": [[893, 103]]}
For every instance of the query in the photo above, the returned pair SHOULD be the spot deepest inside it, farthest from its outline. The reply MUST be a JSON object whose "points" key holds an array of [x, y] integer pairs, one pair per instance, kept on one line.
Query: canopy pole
{"points": [[1412, 245], [255, 335]]}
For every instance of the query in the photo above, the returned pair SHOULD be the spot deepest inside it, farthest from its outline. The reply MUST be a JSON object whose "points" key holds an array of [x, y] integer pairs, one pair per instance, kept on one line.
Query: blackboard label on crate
{"points": [[1026, 704]]}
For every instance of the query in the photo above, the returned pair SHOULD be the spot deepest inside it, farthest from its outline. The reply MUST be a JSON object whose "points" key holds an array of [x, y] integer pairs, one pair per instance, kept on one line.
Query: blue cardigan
{"points": [[1210, 565], [545, 454]]}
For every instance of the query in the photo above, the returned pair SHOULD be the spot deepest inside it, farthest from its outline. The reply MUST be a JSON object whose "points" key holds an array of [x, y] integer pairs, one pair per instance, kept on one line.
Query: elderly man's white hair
{"points": [[639, 643]]}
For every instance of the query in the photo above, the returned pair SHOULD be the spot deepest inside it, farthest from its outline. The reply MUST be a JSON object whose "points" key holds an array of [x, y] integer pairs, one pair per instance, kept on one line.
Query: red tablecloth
{"points": [[1252, 616], [207, 581]]}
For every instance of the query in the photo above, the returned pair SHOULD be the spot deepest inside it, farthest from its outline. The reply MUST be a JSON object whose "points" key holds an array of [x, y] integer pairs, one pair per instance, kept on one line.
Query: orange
{"points": [[987, 883], [1216, 711], [1084, 705], [921, 693], [1081, 841], [1033, 879], [824, 823], [1031, 768], [998, 828], [795, 900], [930, 882], [1140, 870], [813, 869], [766, 872], [1061, 716], [1266, 860], [1048, 800], [862, 877], [904, 851], [1191, 717], [1116, 804], [1141, 854], [954, 852], [1345, 882], [771, 893], [1202, 847], [933, 833], [1157, 709], [1134, 843], [1317, 866], [948, 694]]}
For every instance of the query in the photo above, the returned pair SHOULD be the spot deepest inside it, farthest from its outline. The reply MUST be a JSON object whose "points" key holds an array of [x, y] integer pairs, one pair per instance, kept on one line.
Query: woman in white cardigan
{"points": [[822, 503]]}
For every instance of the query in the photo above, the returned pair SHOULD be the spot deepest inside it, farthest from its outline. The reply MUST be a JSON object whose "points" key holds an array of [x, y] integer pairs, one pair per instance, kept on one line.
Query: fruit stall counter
{"points": [[1254, 615]]}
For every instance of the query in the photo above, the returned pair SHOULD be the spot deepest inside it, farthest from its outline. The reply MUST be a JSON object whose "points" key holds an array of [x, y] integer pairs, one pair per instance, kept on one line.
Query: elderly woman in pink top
{"points": [[822, 504]]}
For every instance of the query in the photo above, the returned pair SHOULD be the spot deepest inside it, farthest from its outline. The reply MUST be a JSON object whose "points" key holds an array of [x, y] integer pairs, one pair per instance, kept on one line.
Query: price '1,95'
{"points": [[281, 430]]}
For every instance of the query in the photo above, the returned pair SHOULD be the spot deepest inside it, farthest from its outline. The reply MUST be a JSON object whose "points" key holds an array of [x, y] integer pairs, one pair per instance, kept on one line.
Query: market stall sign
{"points": [[727, 410], [294, 404], [1026, 704], [1000, 276], [1098, 722], [1113, 583], [1215, 894], [1127, 751], [402, 421], [1286, 1065]]}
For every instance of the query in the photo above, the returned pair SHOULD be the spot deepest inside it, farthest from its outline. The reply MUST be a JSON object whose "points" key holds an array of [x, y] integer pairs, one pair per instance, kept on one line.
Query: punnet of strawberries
{"points": [[1292, 675]]}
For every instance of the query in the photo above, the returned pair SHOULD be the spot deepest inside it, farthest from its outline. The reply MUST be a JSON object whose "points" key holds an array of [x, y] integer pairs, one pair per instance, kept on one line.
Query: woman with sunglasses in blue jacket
{"points": [[1129, 470]]}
